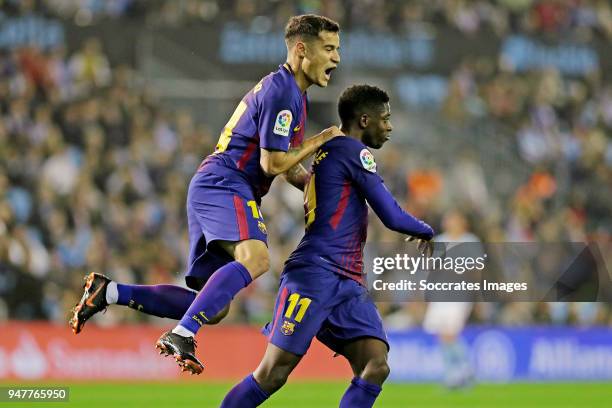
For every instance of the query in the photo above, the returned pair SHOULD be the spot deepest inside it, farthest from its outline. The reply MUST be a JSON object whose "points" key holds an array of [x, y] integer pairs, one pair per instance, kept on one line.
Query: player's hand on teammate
{"points": [[332, 132], [424, 246]]}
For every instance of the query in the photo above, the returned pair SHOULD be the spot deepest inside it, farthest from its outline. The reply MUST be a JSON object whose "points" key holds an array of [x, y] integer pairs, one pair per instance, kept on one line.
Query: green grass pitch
{"points": [[327, 395]]}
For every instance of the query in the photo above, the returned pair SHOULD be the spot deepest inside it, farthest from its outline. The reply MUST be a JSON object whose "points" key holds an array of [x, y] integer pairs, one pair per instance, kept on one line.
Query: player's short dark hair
{"points": [[359, 99], [309, 26]]}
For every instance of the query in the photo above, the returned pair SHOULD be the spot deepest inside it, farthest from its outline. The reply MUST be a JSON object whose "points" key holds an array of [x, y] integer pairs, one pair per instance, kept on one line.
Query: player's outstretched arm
{"points": [[274, 163], [393, 216], [297, 176]]}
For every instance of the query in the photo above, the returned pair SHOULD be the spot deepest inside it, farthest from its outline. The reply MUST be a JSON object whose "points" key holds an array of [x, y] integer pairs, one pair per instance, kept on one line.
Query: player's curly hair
{"points": [[308, 26], [359, 99]]}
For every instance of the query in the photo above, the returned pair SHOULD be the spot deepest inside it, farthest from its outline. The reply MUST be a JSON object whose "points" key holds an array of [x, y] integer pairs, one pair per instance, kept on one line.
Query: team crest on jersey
{"points": [[367, 160], [287, 328], [262, 227], [282, 125]]}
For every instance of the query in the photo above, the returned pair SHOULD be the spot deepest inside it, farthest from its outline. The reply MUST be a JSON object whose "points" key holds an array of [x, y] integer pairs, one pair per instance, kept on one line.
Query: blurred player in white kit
{"points": [[446, 320]]}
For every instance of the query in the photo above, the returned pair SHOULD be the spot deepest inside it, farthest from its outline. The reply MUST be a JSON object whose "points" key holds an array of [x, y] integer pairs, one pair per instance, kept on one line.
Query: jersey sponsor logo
{"points": [[367, 160], [287, 328], [282, 125]]}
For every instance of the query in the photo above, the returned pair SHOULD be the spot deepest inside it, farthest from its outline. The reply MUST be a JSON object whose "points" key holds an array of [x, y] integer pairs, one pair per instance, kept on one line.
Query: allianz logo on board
{"points": [[494, 356]]}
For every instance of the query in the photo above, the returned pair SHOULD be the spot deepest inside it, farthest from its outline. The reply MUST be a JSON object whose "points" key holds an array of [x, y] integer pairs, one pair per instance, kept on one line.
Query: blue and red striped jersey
{"points": [[271, 116], [336, 213]]}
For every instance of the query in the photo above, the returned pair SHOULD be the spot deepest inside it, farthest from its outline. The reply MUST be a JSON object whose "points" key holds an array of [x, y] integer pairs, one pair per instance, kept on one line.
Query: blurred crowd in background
{"points": [[94, 169], [583, 18]]}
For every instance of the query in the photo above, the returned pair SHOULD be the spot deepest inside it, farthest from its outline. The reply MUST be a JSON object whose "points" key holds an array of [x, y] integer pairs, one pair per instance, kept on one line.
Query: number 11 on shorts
{"points": [[302, 303]]}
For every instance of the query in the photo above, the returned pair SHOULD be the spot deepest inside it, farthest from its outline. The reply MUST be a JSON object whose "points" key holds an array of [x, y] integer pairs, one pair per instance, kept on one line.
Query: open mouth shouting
{"points": [[328, 72]]}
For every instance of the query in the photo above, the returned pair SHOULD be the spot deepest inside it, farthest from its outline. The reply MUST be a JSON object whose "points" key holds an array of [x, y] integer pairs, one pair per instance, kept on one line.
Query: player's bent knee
{"points": [[273, 378], [376, 370], [277, 379], [263, 263], [257, 264], [254, 256]]}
